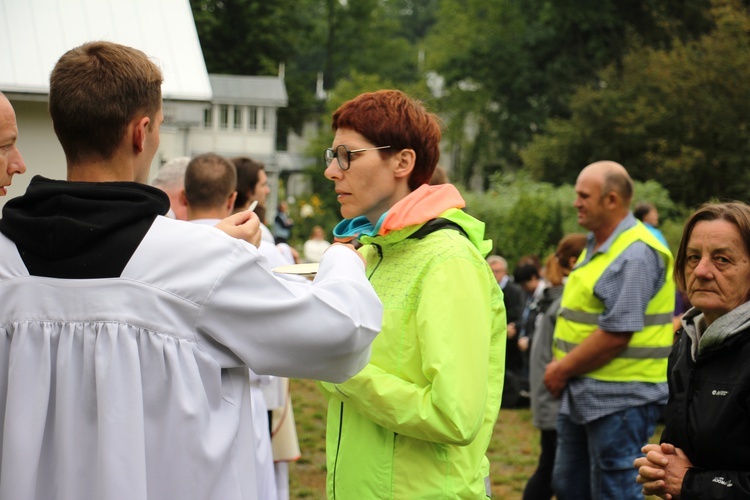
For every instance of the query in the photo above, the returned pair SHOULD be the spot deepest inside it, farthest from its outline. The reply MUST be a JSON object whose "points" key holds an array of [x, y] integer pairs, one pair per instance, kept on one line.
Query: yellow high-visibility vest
{"points": [[645, 358]]}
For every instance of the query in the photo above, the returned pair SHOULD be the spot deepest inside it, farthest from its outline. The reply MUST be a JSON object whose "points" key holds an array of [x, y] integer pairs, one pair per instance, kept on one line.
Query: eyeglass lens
{"points": [[341, 154]]}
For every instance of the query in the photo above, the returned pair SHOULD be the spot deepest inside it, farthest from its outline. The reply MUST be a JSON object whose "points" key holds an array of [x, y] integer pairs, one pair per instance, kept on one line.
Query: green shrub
{"points": [[525, 217]]}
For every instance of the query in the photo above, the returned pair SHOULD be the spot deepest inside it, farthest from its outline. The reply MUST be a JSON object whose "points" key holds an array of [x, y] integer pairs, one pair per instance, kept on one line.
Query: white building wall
{"points": [[229, 141]]}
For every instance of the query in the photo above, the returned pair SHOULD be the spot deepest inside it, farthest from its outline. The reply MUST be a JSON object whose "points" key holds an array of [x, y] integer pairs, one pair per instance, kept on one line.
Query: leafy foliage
{"points": [[525, 217], [249, 37], [331, 38], [525, 58], [678, 116], [244, 37]]}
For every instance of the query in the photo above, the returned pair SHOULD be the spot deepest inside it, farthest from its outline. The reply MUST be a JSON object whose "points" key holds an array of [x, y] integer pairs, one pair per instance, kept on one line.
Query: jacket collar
{"points": [[708, 338], [421, 205]]}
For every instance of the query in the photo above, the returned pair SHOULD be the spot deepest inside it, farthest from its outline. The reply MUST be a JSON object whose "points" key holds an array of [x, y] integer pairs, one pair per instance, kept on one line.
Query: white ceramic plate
{"points": [[309, 269]]}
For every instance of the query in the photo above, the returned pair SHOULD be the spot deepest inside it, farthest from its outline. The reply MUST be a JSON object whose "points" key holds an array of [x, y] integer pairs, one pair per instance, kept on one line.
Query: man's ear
{"points": [[612, 200], [140, 126], [183, 198], [406, 159], [231, 200]]}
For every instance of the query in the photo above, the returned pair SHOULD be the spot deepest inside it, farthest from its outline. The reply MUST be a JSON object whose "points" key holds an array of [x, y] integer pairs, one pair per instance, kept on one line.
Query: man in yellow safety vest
{"points": [[612, 338]]}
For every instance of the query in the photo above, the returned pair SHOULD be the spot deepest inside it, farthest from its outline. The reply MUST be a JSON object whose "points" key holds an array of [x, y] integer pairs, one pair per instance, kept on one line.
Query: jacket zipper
{"points": [[341, 411], [380, 259], [338, 448], [689, 388]]}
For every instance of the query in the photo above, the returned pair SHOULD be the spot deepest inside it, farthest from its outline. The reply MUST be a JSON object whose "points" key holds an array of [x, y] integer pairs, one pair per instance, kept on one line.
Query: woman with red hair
{"points": [[417, 420]]}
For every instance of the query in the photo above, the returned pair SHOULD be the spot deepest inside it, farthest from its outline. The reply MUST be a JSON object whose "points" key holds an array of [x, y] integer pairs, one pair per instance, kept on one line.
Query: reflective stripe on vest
{"points": [[630, 352], [645, 358], [593, 318]]}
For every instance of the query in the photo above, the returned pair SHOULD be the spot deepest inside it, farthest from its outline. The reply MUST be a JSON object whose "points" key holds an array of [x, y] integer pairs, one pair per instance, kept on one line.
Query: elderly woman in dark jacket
{"points": [[705, 447]]}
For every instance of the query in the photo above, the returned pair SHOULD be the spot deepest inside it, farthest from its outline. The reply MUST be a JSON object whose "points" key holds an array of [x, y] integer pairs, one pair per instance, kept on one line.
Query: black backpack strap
{"points": [[436, 225]]}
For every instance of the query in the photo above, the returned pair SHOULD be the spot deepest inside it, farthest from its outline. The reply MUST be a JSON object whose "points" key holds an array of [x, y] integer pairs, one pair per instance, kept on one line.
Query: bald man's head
{"points": [[604, 190], [612, 177]]}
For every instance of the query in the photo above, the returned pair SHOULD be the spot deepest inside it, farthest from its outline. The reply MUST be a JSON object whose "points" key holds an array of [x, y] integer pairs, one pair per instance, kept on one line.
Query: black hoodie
{"points": [[80, 230]]}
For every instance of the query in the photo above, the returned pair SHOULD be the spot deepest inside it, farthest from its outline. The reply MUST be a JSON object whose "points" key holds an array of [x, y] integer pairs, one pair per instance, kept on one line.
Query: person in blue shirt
{"points": [[648, 214]]}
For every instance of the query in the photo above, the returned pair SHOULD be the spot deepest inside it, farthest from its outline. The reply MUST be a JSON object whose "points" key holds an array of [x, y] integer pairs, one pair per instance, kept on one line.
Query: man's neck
{"points": [[115, 169], [603, 233], [209, 213]]}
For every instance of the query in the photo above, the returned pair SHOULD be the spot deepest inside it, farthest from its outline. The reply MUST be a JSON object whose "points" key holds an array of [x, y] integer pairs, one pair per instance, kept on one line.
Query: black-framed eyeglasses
{"points": [[343, 155]]}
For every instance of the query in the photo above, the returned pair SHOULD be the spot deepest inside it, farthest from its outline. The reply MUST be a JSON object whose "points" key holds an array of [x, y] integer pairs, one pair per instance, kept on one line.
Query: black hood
{"points": [[80, 229]]}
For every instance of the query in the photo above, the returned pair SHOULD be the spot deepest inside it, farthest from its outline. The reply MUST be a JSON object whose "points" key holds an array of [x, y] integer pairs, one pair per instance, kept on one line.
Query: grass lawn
{"points": [[513, 451]]}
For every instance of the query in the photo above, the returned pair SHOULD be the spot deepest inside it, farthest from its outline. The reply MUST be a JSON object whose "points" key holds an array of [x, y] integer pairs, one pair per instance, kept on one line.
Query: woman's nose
{"points": [[333, 171], [704, 268]]}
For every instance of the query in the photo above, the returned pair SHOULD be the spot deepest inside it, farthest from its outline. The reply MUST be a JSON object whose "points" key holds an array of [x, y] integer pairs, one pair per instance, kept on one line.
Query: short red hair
{"points": [[392, 118]]}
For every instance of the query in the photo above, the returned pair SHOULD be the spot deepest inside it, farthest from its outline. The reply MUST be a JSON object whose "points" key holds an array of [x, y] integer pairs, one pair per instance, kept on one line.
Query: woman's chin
{"points": [[349, 212]]}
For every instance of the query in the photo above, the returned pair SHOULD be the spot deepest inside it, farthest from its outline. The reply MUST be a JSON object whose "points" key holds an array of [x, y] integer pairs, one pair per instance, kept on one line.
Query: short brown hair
{"points": [[620, 183], [642, 209], [570, 246], [248, 175], [209, 180], [95, 91], [735, 212], [392, 118]]}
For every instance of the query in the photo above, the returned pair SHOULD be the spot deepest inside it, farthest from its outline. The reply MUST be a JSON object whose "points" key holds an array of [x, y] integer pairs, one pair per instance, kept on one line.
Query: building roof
{"points": [[35, 33], [249, 90]]}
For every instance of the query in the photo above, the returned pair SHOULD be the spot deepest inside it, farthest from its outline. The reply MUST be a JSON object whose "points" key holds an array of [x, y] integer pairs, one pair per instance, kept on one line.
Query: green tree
{"points": [[313, 37], [523, 216], [678, 115], [251, 37], [524, 58], [247, 37], [416, 17], [368, 37], [477, 47]]}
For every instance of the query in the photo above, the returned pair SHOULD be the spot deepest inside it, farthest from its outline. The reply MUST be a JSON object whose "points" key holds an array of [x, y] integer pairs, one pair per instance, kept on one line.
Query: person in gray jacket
{"points": [[544, 406]]}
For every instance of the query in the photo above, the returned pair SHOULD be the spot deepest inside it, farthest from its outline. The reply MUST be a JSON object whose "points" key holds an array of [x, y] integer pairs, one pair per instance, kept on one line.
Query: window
{"points": [[252, 118], [208, 115], [237, 118], [224, 116]]}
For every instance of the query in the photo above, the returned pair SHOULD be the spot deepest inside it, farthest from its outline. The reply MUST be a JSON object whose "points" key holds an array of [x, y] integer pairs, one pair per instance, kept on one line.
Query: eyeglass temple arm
{"points": [[368, 149]]}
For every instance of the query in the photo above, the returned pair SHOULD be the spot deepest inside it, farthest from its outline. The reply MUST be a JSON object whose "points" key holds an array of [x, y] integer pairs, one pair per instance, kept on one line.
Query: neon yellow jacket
{"points": [[645, 358], [417, 420]]}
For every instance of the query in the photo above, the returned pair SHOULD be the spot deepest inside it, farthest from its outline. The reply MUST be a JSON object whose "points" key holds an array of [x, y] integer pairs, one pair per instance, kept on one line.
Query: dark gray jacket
{"points": [[544, 407], [708, 414]]}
